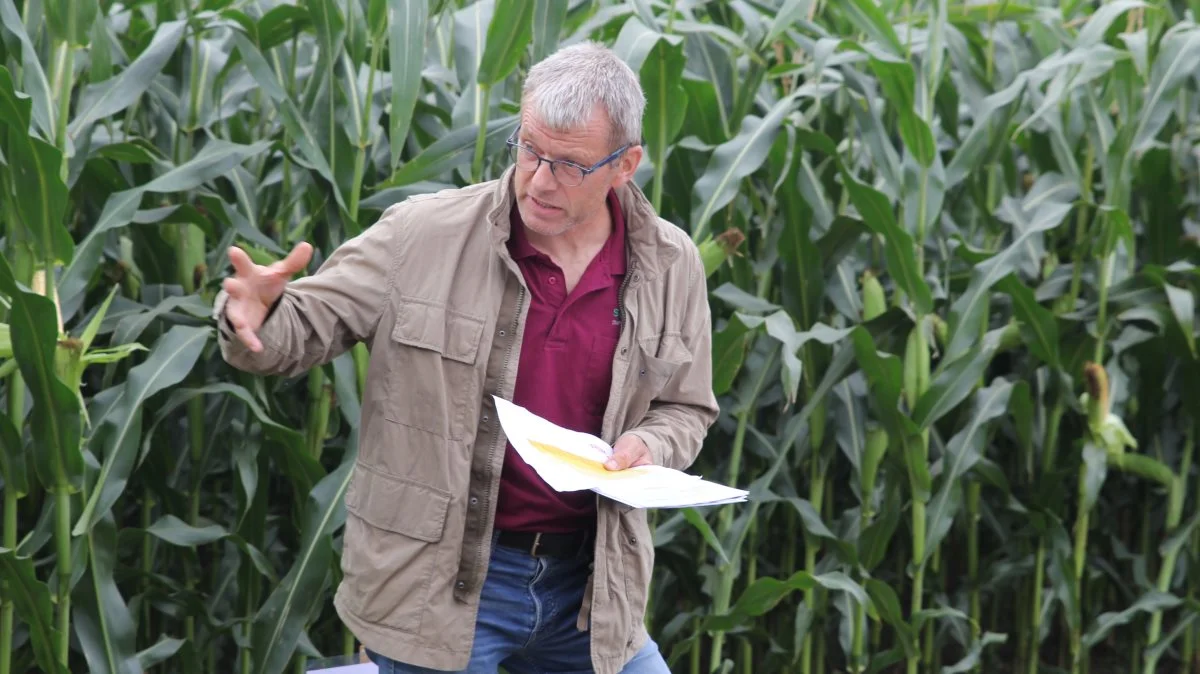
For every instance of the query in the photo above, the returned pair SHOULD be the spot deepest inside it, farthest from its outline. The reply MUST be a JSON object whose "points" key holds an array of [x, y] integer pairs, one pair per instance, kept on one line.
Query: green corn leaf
{"points": [[785, 17], [508, 34], [744, 302], [1042, 210], [278, 623], [291, 439], [13, 467], [868, 17], [901, 260], [177, 532], [729, 351], [120, 209], [293, 121], [1177, 57], [118, 430], [963, 451], [974, 655], [701, 525], [898, 81], [661, 75], [452, 149], [887, 605], [107, 98], [1038, 325], [759, 597], [35, 83], [164, 649], [874, 541], [734, 160], [330, 27], [14, 108], [1150, 602], [279, 24], [549, 16], [850, 413], [951, 385], [408, 21], [55, 418], [70, 21], [31, 599], [102, 619], [34, 170]]}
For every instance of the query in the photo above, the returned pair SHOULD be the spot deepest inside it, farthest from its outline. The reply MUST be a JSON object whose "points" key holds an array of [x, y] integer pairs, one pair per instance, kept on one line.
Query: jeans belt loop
{"points": [[537, 538]]}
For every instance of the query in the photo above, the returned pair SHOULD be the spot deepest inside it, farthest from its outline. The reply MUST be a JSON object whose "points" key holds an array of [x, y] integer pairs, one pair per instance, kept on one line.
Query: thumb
{"points": [[296, 260], [622, 457]]}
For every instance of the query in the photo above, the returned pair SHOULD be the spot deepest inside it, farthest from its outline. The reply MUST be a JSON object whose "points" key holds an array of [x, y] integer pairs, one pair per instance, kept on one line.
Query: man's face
{"points": [[551, 208]]}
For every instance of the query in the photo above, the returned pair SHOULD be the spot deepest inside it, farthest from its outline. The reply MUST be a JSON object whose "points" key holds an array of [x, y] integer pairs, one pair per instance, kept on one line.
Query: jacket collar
{"points": [[649, 248]]}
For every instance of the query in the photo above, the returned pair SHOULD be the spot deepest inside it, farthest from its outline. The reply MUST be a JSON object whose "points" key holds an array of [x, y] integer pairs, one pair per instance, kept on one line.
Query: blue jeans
{"points": [[526, 624]]}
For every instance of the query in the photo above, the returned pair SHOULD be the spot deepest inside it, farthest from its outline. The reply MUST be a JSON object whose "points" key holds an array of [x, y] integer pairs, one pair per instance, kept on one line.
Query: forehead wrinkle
{"points": [[576, 148]]}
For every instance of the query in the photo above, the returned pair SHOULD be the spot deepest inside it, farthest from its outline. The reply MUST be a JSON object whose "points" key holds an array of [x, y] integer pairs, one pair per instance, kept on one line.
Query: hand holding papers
{"points": [[571, 461]]}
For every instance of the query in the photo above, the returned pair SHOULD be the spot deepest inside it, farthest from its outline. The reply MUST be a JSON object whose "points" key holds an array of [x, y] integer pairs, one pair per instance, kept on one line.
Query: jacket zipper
{"points": [[621, 307]]}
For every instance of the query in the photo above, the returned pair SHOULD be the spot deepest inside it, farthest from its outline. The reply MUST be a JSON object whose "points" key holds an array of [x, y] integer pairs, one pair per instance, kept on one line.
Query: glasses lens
{"points": [[568, 174], [524, 158]]}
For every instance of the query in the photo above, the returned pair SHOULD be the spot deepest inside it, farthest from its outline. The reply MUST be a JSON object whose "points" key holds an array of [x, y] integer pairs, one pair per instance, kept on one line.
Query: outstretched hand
{"points": [[628, 452], [254, 288]]}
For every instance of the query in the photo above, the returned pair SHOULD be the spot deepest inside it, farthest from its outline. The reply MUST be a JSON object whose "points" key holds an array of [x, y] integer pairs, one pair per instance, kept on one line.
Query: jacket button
{"points": [[485, 418], [633, 540], [643, 372], [474, 501], [460, 585], [501, 333]]}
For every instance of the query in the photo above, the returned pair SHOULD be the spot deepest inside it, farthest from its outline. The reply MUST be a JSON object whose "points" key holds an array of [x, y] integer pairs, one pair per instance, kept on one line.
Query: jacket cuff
{"points": [[226, 327]]}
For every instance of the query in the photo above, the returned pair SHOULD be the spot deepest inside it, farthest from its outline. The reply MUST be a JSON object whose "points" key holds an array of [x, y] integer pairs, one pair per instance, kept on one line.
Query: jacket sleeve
{"points": [[679, 417], [319, 317]]}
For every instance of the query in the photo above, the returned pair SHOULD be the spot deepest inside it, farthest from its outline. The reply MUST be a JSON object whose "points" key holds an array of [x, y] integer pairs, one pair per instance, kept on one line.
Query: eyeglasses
{"points": [[568, 173]]}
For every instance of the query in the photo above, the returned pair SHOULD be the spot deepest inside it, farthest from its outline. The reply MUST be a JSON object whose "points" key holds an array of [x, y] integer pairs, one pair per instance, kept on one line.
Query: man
{"points": [[556, 287]]}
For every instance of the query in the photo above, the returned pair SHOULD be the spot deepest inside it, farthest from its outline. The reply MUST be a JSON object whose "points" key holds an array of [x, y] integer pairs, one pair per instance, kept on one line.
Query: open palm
{"points": [[254, 288]]}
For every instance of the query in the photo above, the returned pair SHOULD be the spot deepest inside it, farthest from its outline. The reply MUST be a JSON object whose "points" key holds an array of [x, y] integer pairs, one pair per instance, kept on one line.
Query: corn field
{"points": [[952, 252]]}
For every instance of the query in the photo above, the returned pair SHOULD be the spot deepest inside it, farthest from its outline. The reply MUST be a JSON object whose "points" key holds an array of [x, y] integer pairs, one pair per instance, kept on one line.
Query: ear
{"points": [[627, 165]]}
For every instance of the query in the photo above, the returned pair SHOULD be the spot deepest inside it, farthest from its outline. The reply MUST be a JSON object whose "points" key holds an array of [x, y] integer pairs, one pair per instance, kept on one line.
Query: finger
{"points": [[236, 288], [624, 456], [242, 264], [248, 338], [243, 330], [296, 260]]}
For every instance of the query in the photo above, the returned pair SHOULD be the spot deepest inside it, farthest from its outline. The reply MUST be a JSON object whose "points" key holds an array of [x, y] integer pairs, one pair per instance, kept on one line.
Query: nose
{"points": [[543, 178]]}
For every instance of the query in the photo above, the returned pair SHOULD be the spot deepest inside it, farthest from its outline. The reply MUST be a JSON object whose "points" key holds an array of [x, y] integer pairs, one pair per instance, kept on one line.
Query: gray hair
{"points": [[564, 89]]}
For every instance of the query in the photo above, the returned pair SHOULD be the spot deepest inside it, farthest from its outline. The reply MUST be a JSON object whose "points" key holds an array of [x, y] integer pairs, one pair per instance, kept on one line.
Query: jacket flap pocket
{"points": [[664, 354], [398, 504], [428, 325]]}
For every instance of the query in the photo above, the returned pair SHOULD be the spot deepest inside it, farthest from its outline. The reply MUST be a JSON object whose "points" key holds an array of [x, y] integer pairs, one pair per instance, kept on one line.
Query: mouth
{"points": [[542, 204]]}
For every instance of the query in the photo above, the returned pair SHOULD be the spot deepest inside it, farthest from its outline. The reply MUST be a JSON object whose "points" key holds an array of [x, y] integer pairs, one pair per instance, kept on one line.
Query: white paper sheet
{"points": [[571, 461]]}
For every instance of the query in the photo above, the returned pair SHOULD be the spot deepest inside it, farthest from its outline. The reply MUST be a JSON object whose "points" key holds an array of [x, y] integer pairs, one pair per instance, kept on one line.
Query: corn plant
{"points": [[951, 249]]}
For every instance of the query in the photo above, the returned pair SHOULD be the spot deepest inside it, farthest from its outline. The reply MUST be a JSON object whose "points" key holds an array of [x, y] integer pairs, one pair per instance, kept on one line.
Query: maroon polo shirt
{"points": [[564, 373]]}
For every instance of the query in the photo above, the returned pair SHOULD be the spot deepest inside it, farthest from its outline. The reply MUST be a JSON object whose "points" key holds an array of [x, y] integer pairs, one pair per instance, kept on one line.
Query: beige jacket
{"points": [[432, 291]]}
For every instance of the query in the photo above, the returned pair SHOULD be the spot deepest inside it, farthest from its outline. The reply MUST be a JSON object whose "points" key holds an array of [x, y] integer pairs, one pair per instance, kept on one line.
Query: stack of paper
{"points": [[571, 461]]}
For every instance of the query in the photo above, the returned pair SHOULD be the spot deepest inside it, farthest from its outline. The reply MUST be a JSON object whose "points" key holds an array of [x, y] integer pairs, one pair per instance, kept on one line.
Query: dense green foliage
{"points": [[953, 279]]}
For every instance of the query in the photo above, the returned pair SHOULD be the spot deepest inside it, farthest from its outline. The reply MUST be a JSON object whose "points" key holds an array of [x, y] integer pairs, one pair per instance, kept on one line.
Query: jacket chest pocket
{"points": [[654, 365], [433, 377]]}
